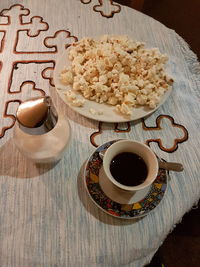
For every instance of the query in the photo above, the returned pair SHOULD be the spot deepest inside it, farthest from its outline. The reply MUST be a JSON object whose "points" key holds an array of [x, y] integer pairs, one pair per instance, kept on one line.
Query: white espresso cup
{"points": [[145, 153]]}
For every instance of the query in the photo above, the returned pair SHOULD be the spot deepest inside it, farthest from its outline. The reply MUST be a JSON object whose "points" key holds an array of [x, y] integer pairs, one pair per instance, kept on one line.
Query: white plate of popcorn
{"points": [[112, 78]]}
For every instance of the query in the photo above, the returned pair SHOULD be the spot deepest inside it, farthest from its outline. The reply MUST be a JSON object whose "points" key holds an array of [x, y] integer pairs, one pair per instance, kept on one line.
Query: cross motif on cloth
{"points": [[12, 27], [105, 7]]}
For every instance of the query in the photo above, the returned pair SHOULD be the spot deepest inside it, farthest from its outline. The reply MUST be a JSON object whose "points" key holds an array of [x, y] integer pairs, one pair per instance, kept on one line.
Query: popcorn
{"points": [[112, 100], [78, 102], [67, 77], [123, 109], [141, 99], [130, 98], [103, 79], [116, 71], [71, 97]]}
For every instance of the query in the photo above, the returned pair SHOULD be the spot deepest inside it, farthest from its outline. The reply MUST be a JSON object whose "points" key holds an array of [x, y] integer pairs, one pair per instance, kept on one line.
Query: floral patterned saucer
{"points": [[124, 211]]}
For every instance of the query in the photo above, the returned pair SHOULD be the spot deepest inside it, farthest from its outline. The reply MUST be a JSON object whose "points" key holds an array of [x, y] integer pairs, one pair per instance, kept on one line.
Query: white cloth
{"points": [[46, 216]]}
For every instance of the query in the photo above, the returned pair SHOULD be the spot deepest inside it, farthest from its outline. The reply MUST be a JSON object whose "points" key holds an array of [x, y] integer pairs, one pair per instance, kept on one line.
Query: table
{"points": [[47, 218]]}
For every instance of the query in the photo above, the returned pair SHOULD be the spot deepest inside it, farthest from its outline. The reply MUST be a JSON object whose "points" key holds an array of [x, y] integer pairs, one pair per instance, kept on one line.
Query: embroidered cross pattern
{"points": [[105, 7], [12, 28], [169, 142]]}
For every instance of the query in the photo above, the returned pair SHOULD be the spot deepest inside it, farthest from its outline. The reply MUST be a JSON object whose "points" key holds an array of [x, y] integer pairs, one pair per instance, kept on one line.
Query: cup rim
{"points": [[147, 181]]}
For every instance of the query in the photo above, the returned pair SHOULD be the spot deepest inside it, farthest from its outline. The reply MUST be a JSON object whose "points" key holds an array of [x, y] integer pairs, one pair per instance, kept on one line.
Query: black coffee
{"points": [[128, 169]]}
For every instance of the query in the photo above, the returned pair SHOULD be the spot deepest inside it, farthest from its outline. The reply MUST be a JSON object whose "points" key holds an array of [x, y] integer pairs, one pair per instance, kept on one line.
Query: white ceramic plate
{"points": [[109, 115]]}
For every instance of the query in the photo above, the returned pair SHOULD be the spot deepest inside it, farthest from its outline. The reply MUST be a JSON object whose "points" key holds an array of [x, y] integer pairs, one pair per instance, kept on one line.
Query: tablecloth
{"points": [[46, 216]]}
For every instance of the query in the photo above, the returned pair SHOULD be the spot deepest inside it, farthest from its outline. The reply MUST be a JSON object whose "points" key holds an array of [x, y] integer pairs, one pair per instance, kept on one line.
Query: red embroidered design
{"points": [[163, 123], [106, 7], [169, 142], [117, 128], [12, 29]]}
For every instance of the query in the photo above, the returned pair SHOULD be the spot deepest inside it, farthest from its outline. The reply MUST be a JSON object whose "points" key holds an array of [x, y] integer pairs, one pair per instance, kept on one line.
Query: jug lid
{"points": [[37, 115]]}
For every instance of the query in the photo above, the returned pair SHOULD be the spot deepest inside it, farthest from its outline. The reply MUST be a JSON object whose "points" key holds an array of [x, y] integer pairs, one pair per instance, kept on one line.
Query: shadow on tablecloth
{"points": [[15, 165]]}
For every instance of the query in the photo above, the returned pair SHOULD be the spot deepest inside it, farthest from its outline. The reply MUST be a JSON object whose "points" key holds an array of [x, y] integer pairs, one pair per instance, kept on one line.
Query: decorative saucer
{"points": [[124, 211]]}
